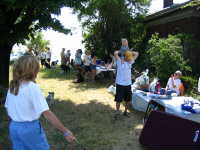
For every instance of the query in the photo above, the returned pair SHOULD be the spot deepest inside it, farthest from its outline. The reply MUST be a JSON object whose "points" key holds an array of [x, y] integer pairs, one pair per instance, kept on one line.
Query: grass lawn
{"points": [[88, 110]]}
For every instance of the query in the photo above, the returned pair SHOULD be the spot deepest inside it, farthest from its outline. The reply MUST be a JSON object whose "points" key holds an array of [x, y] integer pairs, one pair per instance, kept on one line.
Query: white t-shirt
{"points": [[123, 74], [49, 54], [27, 105], [177, 82], [87, 60], [42, 55]]}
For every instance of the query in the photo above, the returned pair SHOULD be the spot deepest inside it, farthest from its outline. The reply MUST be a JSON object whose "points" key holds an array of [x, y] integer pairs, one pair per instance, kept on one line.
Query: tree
{"points": [[165, 56], [38, 42], [17, 16], [106, 22], [194, 3]]}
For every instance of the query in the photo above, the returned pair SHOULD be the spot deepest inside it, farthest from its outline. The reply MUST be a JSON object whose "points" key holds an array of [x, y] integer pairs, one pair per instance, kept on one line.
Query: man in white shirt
{"points": [[48, 55], [123, 81], [87, 62], [43, 56]]}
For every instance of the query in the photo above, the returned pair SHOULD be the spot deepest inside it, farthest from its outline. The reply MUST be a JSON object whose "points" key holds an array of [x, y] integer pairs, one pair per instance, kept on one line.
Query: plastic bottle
{"points": [[159, 89]]}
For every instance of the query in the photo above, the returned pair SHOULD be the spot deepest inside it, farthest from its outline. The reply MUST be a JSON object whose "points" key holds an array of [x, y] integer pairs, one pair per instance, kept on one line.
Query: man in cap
{"points": [[30, 51], [123, 81]]}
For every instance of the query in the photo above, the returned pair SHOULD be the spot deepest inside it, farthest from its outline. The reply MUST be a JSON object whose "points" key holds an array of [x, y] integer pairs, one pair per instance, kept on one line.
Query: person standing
{"points": [[87, 62], [48, 55], [25, 103], [123, 81], [93, 64], [106, 57], [63, 60], [43, 57], [77, 60], [68, 56]]}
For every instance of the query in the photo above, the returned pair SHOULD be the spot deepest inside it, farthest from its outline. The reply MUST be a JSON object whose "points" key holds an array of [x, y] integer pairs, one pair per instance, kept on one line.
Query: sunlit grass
{"points": [[88, 110]]}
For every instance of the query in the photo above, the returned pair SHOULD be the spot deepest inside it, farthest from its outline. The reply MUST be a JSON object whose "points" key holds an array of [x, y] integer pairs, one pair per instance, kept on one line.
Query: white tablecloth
{"points": [[173, 106], [103, 69]]}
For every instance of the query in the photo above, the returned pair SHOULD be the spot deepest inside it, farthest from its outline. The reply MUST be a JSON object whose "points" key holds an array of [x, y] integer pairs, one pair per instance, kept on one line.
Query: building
{"points": [[173, 19]]}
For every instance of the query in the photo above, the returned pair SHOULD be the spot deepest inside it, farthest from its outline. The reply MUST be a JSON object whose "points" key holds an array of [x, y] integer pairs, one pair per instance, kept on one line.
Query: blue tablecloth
{"points": [[140, 102]]}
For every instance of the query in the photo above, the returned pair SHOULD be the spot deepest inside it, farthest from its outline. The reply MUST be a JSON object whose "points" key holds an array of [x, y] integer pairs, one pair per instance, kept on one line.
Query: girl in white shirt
{"points": [[25, 103]]}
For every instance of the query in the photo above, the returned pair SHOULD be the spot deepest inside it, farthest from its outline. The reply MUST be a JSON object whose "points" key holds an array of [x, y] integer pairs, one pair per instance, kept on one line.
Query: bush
{"points": [[188, 83], [165, 56]]}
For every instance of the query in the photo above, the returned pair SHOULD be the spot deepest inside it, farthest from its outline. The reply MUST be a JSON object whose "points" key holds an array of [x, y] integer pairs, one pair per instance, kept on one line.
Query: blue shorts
{"points": [[169, 92], [93, 67], [28, 135]]}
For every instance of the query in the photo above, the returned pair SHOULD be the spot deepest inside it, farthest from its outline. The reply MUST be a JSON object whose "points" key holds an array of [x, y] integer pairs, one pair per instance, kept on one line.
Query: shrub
{"points": [[188, 83], [165, 56]]}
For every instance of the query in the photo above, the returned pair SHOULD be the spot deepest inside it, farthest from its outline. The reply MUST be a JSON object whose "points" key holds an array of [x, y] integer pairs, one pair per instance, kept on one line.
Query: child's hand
{"points": [[132, 48]]}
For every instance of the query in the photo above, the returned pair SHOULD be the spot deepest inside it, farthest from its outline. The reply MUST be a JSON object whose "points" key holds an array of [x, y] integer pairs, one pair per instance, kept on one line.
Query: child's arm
{"points": [[132, 49]]}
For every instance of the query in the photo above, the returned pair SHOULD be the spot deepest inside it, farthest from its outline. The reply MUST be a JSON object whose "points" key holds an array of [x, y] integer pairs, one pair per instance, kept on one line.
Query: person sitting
{"points": [[172, 84]]}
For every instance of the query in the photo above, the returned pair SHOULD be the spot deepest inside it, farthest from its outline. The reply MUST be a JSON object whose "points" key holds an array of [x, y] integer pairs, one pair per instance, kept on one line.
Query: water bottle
{"points": [[159, 89]]}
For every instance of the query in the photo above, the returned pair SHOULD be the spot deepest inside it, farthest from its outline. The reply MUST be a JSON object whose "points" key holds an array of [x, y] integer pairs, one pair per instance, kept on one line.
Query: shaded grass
{"points": [[88, 110]]}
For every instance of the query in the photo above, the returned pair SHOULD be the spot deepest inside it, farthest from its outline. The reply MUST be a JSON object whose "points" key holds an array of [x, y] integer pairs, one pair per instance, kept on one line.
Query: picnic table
{"points": [[103, 70], [141, 99]]}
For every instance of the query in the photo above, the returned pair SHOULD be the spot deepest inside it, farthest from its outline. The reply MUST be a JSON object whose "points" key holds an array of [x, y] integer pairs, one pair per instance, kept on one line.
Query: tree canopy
{"points": [[17, 16], [38, 42], [106, 22]]}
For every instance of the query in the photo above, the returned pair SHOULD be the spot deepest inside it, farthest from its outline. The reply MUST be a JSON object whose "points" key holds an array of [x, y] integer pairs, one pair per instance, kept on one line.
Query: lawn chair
{"points": [[181, 89]]}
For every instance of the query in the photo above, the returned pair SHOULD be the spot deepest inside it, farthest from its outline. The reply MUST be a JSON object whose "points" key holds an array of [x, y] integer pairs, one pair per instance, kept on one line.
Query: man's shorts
{"points": [[123, 92], [28, 135], [87, 68]]}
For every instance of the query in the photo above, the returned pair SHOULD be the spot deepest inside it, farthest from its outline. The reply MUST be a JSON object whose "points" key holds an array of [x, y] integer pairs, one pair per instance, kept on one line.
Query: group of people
{"points": [[90, 65], [43, 55], [25, 102], [65, 58]]}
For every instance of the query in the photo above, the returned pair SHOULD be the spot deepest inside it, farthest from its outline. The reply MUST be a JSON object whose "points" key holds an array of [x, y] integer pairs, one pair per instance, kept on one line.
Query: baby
{"points": [[123, 49]]}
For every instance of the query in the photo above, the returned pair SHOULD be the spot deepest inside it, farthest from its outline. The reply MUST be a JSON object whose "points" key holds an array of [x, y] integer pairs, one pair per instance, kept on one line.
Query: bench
{"points": [[195, 91]]}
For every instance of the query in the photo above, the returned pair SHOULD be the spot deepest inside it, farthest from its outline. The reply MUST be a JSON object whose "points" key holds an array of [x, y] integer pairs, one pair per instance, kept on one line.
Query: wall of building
{"points": [[189, 25]]}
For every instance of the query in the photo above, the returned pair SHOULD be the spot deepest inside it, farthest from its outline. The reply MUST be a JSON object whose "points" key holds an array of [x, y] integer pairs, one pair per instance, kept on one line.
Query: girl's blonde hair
{"points": [[25, 70]]}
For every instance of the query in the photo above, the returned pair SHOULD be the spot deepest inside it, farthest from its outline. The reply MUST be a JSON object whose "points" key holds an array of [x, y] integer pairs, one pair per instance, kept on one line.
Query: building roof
{"points": [[172, 13]]}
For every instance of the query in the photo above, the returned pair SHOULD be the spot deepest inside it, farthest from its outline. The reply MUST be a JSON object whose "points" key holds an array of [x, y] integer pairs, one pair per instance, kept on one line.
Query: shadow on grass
{"points": [[92, 123], [54, 73]]}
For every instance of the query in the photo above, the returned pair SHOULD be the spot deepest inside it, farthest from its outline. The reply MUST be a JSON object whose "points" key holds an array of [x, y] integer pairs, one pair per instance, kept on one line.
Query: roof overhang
{"points": [[173, 13]]}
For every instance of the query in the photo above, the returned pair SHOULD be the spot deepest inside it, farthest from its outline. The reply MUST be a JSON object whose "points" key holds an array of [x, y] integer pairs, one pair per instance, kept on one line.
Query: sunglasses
{"points": [[175, 73]]}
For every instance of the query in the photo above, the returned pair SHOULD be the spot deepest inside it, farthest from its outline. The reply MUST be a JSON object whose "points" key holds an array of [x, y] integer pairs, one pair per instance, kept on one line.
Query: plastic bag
{"points": [[144, 79], [153, 85], [112, 89]]}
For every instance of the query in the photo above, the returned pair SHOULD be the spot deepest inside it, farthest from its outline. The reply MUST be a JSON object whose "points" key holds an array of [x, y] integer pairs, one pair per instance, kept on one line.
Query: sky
{"points": [[68, 20]]}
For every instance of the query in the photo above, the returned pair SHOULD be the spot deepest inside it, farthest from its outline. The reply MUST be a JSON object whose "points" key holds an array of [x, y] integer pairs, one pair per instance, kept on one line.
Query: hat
{"points": [[129, 54]]}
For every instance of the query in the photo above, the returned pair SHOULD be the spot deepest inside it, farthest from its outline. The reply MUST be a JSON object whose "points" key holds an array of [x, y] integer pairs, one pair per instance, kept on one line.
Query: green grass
{"points": [[88, 110]]}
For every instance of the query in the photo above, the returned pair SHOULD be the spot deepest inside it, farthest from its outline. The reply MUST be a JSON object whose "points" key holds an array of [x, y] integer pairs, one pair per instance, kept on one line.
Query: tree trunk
{"points": [[4, 64]]}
